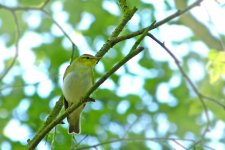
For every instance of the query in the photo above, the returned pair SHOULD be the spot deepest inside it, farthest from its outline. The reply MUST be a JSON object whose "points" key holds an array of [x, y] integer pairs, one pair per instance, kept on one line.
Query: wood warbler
{"points": [[77, 80]]}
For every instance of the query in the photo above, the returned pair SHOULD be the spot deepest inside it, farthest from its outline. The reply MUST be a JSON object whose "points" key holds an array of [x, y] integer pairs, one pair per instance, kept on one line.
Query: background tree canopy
{"points": [[160, 99]]}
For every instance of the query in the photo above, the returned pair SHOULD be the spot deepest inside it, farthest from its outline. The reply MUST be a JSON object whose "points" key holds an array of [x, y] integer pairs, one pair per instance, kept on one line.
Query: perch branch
{"points": [[39, 136]]}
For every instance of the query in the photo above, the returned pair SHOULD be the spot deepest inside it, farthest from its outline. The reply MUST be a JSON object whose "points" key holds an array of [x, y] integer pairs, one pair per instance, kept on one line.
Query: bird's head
{"points": [[87, 59]]}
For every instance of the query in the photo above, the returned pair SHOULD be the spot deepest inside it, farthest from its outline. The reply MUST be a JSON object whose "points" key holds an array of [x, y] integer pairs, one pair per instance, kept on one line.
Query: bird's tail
{"points": [[74, 120]]}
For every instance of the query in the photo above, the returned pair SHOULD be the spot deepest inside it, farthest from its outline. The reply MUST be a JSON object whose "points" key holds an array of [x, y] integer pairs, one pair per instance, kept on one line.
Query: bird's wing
{"points": [[67, 71], [92, 77], [66, 105]]}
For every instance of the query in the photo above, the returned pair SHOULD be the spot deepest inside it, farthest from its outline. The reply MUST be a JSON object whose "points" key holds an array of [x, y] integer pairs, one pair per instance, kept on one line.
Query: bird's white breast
{"points": [[76, 84]]}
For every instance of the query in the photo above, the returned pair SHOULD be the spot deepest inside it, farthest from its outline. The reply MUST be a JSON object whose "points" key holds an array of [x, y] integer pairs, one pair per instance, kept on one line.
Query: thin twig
{"points": [[213, 100], [191, 83], [72, 54], [59, 26], [113, 40], [140, 140], [130, 126], [134, 140], [78, 143], [187, 79], [175, 141], [141, 37], [17, 31], [165, 20]]}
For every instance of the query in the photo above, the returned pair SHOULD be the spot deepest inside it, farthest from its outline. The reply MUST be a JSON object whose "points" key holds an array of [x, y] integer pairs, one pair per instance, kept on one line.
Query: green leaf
{"points": [[195, 107], [216, 65]]}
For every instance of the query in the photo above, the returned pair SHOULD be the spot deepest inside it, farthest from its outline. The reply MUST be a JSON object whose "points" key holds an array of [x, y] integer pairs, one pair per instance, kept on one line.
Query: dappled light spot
{"points": [[123, 106]]}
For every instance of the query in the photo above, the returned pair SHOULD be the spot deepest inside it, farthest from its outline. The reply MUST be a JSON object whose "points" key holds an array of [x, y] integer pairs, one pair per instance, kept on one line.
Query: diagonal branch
{"points": [[51, 124], [126, 17], [113, 40], [166, 20], [57, 108], [187, 78], [59, 26], [39, 136], [200, 96]]}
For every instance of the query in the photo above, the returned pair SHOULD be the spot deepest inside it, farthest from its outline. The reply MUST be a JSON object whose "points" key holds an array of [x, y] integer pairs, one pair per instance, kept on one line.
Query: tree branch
{"points": [[123, 5], [39, 136], [167, 19], [185, 76], [134, 51], [54, 113], [126, 17], [200, 96]]}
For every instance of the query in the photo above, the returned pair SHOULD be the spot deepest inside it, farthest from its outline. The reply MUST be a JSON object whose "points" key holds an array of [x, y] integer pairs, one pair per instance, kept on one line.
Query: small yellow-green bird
{"points": [[77, 80]]}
